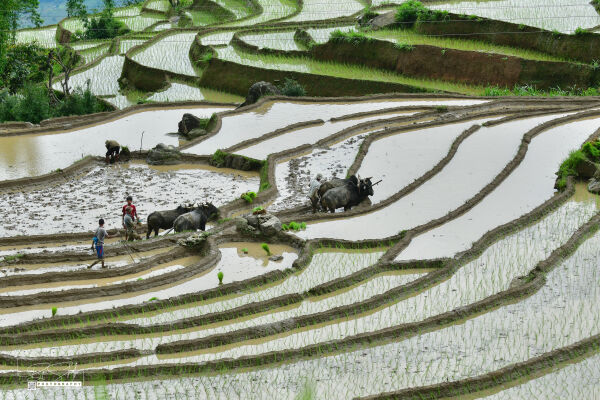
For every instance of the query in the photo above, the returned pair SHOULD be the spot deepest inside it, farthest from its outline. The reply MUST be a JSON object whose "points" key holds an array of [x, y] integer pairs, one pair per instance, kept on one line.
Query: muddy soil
{"points": [[76, 204], [294, 176]]}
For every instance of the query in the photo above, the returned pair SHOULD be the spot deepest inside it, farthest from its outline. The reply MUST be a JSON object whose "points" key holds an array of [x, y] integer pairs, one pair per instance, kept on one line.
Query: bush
{"points": [[33, 105], [352, 37], [408, 12], [592, 150], [104, 26], [292, 88], [27, 65]]}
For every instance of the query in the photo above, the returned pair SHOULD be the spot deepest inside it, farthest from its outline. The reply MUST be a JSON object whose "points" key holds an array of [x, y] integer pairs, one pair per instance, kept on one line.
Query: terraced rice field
{"points": [[454, 271], [561, 15], [464, 275]]}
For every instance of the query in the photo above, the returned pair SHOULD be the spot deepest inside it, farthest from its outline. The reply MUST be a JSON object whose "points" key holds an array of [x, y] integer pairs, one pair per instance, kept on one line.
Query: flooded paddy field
{"points": [[58, 207], [463, 262], [45, 152]]}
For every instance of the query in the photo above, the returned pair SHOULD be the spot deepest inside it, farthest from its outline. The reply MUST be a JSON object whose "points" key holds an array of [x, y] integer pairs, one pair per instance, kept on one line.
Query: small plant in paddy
{"points": [[248, 197], [266, 248], [220, 277]]}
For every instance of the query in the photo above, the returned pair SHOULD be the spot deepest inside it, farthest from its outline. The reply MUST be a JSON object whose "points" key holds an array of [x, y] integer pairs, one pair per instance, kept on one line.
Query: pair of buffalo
{"points": [[183, 218], [338, 193]]}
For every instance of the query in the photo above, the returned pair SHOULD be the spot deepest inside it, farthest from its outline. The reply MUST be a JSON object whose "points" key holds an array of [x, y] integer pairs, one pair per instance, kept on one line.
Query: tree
{"points": [[11, 12], [76, 8], [67, 59], [109, 6]]}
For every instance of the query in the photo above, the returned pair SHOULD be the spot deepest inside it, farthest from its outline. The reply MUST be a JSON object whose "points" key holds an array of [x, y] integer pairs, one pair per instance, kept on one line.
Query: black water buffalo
{"points": [[347, 196], [327, 185], [164, 219], [195, 219]]}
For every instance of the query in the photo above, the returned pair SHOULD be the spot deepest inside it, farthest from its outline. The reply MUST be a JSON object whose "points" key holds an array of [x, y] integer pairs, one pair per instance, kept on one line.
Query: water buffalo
{"points": [[164, 219], [347, 196], [333, 183], [195, 219]]}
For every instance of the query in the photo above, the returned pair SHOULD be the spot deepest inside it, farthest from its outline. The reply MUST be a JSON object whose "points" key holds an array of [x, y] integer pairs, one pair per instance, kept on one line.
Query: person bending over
{"points": [[113, 148]]}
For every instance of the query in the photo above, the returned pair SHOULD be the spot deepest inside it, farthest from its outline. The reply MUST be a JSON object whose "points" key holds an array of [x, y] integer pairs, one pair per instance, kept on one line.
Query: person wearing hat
{"points": [[113, 148], [313, 193]]}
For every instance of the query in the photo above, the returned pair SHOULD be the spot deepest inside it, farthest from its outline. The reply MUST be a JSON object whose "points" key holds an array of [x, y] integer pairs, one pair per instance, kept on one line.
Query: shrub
{"points": [[266, 248], [441, 109], [592, 150], [105, 26], [220, 277], [569, 167], [368, 14], [408, 12], [291, 87], [54, 311], [352, 37], [582, 32], [33, 105]]}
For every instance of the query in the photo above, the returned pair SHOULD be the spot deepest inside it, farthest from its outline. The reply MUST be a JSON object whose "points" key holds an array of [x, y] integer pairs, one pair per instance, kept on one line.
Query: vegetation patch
{"points": [[580, 164], [351, 37], [294, 226], [248, 197]]}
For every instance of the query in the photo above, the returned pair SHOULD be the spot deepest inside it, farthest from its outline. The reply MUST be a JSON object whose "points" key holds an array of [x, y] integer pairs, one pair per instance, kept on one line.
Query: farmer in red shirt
{"points": [[129, 216]]}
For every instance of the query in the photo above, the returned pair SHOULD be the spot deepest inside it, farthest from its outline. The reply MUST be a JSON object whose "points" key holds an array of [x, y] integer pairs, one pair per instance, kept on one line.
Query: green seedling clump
{"points": [[12, 258], [352, 37], [248, 197], [294, 226], [220, 276], [54, 310], [245, 250], [153, 298], [266, 248]]}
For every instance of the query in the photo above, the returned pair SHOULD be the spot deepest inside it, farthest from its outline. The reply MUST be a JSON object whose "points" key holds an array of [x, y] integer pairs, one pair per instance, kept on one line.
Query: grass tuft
{"points": [[266, 248]]}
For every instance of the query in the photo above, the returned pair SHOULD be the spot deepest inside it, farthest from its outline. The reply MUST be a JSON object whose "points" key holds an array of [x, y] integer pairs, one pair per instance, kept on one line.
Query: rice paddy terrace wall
{"points": [[581, 47]]}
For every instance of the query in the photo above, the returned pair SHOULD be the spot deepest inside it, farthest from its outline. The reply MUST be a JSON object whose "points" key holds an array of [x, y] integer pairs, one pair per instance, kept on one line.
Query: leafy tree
{"points": [[76, 8], [11, 11], [66, 59], [104, 26], [27, 64]]}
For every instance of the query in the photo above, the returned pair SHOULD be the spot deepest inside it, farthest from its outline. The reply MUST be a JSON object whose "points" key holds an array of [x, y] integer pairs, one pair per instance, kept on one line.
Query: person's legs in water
{"points": [[100, 254], [128, 221], [100, 251]]}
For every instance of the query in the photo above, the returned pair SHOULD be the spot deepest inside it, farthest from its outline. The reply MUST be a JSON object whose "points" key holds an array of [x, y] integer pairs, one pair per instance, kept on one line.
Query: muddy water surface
{"points": [[37, 154], [312, 135], [235, 265], [76, 204], [271, 116], [527, 187]]}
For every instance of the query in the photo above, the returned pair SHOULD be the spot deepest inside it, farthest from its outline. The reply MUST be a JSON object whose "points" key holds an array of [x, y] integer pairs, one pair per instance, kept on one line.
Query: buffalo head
{"points": [[366, 186], [209, 210]]}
